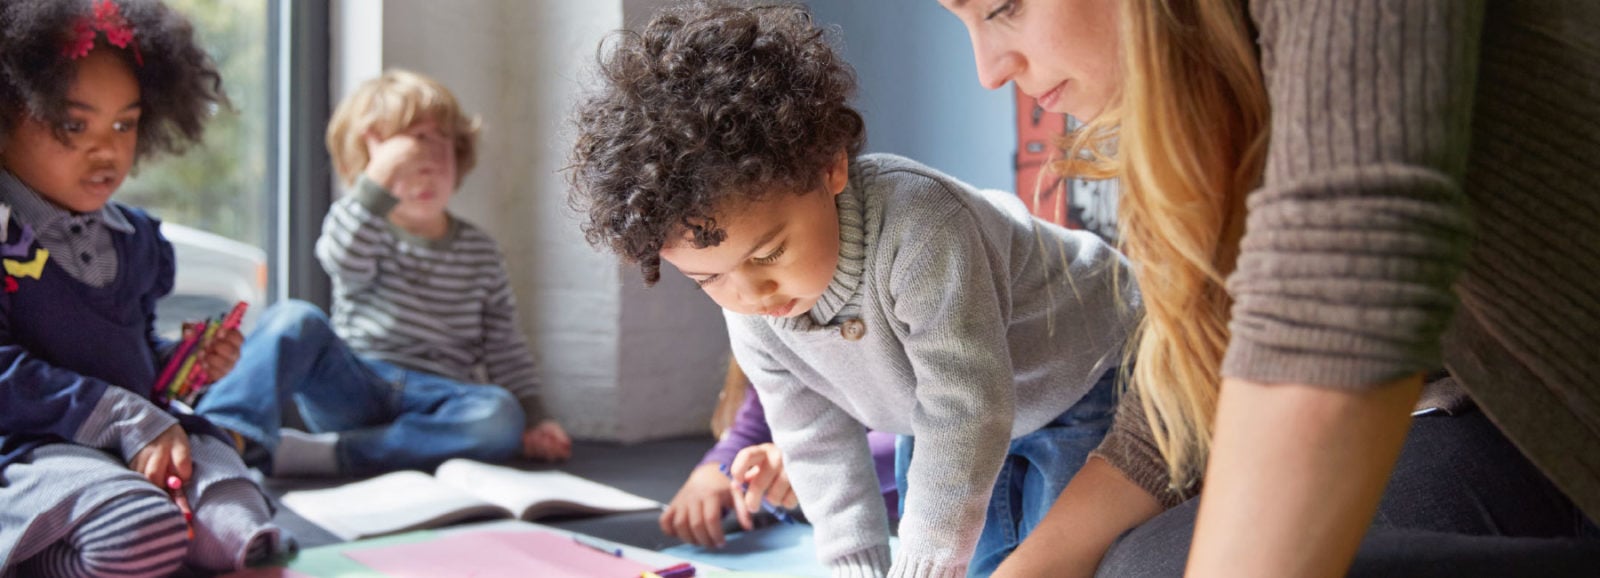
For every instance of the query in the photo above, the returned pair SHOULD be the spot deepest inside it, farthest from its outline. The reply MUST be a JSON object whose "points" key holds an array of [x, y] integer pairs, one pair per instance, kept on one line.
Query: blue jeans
{"points": [[1036, 468], [388, 418]]}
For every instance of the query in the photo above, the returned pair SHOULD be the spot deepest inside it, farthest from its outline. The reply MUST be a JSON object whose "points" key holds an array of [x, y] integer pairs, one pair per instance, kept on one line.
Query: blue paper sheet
{"points": [[780, 549]]}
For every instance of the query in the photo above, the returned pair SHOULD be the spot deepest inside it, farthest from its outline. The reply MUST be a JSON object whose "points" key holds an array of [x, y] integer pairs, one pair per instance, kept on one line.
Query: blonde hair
{"points": [[389, 104], [1187, 135]]}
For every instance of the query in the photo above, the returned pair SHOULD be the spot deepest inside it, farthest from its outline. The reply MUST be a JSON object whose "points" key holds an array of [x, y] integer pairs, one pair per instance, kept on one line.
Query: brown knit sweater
{"points": [[1431, 196]]}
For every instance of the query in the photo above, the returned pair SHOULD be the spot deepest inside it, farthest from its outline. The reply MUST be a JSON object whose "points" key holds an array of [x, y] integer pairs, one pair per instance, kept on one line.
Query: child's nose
{"points": [[754, 289], [102, 148]]}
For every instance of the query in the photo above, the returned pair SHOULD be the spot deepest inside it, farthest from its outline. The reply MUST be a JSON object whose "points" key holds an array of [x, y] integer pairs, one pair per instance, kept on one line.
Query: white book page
{"points": [[389, 503], [537, 494]]}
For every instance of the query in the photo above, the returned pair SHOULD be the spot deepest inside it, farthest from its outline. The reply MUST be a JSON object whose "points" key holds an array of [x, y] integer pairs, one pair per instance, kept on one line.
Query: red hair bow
{"points": [[107, 18]]}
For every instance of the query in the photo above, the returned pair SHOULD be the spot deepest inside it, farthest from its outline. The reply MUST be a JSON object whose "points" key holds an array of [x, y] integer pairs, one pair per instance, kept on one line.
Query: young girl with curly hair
{"points": [[859, 290], [1330, 204], [98, 475]]}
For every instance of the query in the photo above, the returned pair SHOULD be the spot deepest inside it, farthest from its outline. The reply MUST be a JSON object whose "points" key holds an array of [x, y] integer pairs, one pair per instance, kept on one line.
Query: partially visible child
{"points": [[422, 303], [745, 450], [87, 90], [859, 290]]}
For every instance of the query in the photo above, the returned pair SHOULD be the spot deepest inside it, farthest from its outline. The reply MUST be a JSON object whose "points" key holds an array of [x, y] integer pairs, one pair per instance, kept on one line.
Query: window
{"points": [[216, 200], [239, 233]]}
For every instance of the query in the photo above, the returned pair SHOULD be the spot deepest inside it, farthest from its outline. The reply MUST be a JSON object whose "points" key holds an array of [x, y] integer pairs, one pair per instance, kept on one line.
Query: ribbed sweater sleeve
{"points": [[944, 290], [1360, 226], [826, 456], [1131, 449]]}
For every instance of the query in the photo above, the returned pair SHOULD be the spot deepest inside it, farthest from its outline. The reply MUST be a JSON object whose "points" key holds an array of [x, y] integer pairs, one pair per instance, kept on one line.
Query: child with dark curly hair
{"points": [[98, 475], [858, 290]]}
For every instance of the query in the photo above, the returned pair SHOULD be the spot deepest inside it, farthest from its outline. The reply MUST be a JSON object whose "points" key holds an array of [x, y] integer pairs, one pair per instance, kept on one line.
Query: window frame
{"points": [[303, 178]]}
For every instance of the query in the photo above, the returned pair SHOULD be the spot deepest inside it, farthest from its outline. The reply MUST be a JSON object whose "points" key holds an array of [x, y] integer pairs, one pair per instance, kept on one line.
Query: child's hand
{"points": [[757, 474], [167, 455], [396, 159], [547, 442], [219, 356], [695, 514]]}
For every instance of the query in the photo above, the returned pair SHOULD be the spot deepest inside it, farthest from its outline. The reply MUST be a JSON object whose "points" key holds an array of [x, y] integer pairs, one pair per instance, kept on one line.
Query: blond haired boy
{"points": [[422, 305]]}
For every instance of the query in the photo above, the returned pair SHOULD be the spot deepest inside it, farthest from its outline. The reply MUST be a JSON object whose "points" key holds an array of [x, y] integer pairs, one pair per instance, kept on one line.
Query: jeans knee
{"points": [[498, 430], [296, 318]]}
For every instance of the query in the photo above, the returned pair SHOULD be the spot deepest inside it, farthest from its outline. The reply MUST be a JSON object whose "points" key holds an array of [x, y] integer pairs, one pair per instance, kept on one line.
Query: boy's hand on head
{"points": [[758, 475], [392, 159], [221, 354], [546, 441], [695, 514], [167, 455]]}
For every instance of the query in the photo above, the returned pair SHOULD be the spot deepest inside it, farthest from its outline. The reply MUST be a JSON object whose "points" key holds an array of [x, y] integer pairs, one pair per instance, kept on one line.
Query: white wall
{"points": [[619, 362]]}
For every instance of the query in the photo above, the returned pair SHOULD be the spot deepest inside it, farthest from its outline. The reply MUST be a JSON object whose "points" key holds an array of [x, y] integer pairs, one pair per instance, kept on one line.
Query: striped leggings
{"points": [[139, 531]]}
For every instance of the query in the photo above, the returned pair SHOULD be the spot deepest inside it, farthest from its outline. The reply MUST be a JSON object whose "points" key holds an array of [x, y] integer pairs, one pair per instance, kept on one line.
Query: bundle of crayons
{"points": [[183, 377]]}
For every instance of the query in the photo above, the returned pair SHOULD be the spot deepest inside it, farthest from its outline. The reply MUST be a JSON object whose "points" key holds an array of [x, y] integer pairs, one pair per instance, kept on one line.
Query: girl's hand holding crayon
{"points": [[758, 476], [167, 455]]}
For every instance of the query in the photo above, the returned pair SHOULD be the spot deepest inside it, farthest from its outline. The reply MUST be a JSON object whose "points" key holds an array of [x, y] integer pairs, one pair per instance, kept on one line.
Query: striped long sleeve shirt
{"points": [[443, 306]]}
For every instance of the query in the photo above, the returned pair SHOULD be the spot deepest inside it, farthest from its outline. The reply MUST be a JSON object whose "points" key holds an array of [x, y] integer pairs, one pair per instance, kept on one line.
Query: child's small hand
{"points": [[395, 159], [757, 474], [546, 441], [221, 354], [695, 514], [167, 455]]}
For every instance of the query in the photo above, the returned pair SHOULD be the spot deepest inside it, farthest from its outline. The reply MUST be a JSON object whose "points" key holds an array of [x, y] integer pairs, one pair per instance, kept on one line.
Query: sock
{"points": [[302, 454], [234, 528]]}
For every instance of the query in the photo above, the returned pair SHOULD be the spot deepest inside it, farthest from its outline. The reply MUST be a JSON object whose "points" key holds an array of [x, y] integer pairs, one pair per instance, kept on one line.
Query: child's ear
{"points": [[837, 174]]}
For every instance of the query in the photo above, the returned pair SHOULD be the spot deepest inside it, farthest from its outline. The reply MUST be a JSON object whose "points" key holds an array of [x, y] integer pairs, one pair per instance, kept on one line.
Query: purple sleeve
{"points": [[882, 445], [749, 428]]}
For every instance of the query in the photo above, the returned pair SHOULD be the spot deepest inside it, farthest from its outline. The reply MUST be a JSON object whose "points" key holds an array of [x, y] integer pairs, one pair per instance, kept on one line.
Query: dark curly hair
{"points": [[179, 86], [712, 102]]}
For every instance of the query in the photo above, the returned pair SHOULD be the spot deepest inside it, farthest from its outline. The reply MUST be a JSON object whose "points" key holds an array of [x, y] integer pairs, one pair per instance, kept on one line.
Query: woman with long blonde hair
{"points": [[1330, 202]]}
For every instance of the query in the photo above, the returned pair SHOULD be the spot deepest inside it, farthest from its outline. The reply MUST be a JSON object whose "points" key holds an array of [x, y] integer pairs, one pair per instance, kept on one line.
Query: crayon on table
{"points": [[598, 548], [680, 570]]}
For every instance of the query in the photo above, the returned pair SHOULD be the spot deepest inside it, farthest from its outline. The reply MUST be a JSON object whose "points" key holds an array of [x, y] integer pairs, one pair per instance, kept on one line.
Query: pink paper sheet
{"points": [[267, 573], [497, 555]]}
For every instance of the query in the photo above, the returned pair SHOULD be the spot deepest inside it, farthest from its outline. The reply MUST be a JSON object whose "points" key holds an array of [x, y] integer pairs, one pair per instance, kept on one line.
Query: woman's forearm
{"points": [[1096, 506], [1295, 474]]}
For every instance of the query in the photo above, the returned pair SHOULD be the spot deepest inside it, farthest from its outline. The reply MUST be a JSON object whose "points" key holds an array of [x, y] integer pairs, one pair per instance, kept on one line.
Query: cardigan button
{"points": [[853, 330]]}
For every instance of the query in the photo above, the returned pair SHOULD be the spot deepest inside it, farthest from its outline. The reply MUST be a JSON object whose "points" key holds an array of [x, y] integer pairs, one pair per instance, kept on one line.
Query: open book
{"points": [[460, 490]]}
